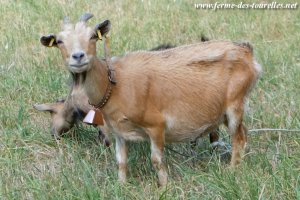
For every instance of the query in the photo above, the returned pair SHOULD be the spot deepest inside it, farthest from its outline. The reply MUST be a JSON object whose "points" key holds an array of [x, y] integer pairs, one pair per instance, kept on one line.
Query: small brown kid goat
{"points": [[67, 113], [165, 96]]}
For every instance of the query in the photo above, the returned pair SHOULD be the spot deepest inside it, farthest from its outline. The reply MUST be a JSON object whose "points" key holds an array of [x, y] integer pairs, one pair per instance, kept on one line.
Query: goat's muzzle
{"points": [[78, 56], [78, 62]]}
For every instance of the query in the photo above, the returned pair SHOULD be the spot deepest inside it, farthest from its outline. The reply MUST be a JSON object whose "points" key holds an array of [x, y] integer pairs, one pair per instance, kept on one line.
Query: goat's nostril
{"points": [[78, 56]]}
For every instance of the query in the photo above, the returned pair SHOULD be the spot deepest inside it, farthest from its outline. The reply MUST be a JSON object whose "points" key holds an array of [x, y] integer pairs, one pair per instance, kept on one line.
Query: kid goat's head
{"points": [[77, 43]]}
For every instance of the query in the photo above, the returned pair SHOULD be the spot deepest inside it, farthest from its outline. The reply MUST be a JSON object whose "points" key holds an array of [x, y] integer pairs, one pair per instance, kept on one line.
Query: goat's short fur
{"points": [[165, 96]]}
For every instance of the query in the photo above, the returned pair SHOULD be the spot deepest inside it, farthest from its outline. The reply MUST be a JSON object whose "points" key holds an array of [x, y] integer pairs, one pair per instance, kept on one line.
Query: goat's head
{"points": [[77, 43], [62, 119]]}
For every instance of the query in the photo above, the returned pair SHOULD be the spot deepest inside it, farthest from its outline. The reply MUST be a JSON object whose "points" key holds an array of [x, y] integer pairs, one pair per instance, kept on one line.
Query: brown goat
{"points": [[68, 112], [165, 96], [65, 113]]}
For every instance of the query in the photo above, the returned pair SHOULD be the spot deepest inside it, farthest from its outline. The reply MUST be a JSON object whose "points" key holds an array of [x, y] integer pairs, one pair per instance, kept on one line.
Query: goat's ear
{"points": [[49, 40], [50, 107], [102, 29]]}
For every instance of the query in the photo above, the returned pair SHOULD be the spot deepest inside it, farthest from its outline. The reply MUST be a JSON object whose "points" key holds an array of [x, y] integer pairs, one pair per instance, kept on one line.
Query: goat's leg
{"points": [[157, 156], [156, 132], [238, 131], [121, 155], [103, 137], [213, 139], [237, 91], [214, 136], [238, 144]]}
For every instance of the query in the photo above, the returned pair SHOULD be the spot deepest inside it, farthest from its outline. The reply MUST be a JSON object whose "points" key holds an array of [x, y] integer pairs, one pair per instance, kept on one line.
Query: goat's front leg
{"points": [[157, 154], [121, 155]]}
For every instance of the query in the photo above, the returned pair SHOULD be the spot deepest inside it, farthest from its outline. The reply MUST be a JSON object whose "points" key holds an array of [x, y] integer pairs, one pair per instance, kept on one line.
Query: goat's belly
{"points": [[171, 136], [129, 131], [133, 135], [183, 135], [174, 132]]}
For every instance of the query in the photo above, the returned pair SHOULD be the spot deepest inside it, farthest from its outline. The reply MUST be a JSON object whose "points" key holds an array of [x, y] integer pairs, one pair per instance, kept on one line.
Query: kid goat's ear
{"points": [[102, 29], [49, 40], [50, 107]]}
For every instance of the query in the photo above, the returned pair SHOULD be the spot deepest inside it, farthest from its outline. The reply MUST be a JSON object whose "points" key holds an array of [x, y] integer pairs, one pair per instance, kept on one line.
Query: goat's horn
{"points": [[85, 17], [66, 20]]}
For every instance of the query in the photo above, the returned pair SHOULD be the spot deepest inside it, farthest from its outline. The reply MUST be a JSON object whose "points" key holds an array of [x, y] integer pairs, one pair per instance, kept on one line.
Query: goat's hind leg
{"points": [[214, 140], [239, 86], [238, 132], [238, 144], [214, 136]]}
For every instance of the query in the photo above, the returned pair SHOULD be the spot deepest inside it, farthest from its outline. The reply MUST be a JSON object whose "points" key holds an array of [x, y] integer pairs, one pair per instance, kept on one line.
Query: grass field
{"points": [[34, 166]]}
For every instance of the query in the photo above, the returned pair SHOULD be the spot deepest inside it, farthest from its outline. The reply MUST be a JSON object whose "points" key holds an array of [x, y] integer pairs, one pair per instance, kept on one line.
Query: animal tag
{"points": [[94, 117], [99, 34], [51, 42]]}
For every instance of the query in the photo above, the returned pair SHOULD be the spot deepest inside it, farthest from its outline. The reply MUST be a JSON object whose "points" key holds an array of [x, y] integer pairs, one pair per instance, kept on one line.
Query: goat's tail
{"points": [[245, 44]]}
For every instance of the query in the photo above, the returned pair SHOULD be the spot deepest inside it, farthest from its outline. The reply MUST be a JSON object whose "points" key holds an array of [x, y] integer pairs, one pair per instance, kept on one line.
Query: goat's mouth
{"points": [[78, 65], [79, 68]]}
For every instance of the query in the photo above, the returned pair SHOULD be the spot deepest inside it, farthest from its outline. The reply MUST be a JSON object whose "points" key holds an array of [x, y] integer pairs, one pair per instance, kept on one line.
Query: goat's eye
{"points": [[94, 36], [59, 42]]}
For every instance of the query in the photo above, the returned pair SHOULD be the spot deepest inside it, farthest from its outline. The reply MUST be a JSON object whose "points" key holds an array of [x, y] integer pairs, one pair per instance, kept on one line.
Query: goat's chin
{"points": [[78, 70]]}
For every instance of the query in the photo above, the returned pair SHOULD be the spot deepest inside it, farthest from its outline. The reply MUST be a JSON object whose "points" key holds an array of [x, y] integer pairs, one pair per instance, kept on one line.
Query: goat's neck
{"points": [[96, 81]]}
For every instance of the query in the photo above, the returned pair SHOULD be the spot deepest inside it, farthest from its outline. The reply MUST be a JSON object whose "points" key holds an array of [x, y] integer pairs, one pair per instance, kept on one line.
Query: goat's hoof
{"points": [[162, 179], [56, 137], [162, 184], [106, 142], [235, 162], [122, 180]]}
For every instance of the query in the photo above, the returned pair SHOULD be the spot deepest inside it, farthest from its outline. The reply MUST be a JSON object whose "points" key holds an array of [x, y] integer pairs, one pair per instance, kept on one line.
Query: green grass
{"points": [[34, 166]]}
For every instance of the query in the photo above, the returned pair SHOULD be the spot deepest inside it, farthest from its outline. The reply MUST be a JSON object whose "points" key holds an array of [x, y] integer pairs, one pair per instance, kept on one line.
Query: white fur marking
{"points": [[232, 122], [246, 106], [217, 143], [257, 67], [170, 121], [119, 150], [114, 58], [156, 153]]}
